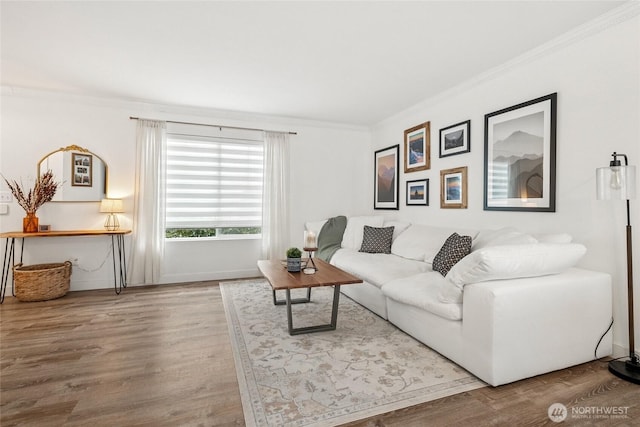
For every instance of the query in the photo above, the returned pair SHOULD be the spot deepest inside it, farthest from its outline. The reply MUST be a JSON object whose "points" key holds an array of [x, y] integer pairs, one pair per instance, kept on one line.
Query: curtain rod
{"points": [[215, 126]]}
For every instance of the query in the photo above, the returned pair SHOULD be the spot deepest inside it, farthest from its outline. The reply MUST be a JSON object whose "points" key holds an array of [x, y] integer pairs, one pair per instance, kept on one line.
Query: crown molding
{"points": [[627, 11], [175, 112]]}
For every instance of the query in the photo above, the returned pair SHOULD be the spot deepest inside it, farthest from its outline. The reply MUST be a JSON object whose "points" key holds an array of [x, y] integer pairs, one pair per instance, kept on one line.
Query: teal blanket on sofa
{"points": [[330, 237]]}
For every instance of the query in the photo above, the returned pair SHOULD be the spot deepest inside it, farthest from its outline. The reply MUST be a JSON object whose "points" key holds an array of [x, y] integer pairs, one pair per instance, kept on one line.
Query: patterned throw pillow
{"points": [[377, 240], [454, 249]]}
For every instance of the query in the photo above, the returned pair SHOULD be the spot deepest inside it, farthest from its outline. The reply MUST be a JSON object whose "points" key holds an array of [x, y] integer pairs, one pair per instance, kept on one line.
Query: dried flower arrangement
{"points": [[43, 191]]}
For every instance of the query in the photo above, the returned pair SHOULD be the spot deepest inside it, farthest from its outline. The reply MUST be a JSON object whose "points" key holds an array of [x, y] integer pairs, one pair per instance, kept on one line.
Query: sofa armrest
{"points": [[519, 328]]}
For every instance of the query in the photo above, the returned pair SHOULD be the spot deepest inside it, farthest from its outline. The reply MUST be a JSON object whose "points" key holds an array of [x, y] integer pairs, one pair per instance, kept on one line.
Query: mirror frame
{"points": [[81, 150]]}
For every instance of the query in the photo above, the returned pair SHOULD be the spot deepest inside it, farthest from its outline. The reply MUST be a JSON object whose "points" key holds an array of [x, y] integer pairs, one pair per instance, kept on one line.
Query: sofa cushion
{"points": [[553, 237], [510, 262], [398, 227], [422, 242], [502, 236], [377, 240], [422, 291], [376, 269], [352, 238], [454, 249]]}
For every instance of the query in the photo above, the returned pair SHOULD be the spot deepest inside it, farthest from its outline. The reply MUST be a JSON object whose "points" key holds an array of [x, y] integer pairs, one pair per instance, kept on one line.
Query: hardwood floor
{"points": [[161, 356], [152, 356]]}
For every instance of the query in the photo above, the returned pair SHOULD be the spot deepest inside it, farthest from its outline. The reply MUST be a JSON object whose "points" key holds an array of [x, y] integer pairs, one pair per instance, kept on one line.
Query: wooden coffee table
{"points": [[326, 275]]}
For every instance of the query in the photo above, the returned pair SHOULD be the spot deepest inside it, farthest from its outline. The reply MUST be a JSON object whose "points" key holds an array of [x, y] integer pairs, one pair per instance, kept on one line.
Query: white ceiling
{"points": [[347, 62]]}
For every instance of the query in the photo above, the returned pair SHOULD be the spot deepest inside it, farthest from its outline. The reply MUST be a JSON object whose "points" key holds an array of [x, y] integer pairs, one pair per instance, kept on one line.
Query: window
{"points": [[214, 186]]}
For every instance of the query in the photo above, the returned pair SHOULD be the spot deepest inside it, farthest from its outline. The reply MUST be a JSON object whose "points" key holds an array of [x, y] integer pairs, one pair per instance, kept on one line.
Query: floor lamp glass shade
{"points": [[616, 183], [112, 207]]}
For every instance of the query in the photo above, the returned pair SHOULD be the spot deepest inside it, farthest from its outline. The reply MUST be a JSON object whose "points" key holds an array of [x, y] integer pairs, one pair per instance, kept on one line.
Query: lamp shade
{"points": [[616, 183], [111, 206]]}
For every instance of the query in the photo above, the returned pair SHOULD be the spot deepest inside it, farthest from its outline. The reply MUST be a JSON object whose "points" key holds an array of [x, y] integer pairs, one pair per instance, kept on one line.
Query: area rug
{"points": [[365, 367]]}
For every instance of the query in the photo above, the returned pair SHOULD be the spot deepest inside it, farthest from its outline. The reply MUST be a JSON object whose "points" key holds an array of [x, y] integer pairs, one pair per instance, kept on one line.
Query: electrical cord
{"points": [[106, 257], [595, 351]]}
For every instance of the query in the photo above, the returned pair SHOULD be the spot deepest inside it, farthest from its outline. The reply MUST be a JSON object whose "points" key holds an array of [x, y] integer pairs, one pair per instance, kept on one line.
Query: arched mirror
{"points": [[81, 173]]}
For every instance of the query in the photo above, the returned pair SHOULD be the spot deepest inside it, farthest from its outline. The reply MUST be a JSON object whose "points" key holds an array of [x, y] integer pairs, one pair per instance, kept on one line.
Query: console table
{"points": [[117, 240]]}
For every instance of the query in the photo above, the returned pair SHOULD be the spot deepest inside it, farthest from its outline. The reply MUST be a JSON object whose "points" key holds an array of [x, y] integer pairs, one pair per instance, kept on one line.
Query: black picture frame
{"points": [[417, 192], [520, 157], [386, 186], [455, 139]]}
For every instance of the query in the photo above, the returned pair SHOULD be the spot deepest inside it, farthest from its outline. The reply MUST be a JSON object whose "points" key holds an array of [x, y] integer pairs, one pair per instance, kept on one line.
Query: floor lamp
{"points": [[618, 182]]}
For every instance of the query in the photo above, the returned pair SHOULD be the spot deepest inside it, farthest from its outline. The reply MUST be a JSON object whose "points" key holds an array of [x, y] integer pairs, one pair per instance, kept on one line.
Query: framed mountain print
{"points": [[386, 185], [455, 139], [417, 148], [520, 157]]}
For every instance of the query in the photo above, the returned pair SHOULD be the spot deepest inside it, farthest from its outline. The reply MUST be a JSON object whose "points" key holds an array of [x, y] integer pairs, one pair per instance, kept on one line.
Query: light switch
{"points": [[4, 209]]}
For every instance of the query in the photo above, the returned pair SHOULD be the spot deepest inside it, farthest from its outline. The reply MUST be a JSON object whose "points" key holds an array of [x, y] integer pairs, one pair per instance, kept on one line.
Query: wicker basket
{"points": [[41, 282]]}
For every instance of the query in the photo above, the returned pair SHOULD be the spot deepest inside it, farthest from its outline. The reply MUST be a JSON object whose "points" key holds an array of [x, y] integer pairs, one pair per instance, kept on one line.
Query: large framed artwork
{"points": [[386, 186], [520, 157], [418, 192], [455, 139], [417, 148], [81, 170], [453, 188]]}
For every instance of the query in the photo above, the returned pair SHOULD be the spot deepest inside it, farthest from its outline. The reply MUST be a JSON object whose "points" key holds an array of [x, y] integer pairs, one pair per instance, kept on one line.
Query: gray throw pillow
{"points": [[454, 249], [377, 240]]}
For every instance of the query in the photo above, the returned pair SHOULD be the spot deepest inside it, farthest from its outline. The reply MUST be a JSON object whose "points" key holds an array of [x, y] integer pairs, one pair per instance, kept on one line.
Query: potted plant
{"points": [[43, 191], [294, 258]]}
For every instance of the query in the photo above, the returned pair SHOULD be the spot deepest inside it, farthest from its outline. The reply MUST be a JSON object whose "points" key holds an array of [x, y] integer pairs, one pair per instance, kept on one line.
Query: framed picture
{"points": [[82, 172], [386, 186], [418, 192], [455, 139], [417, 148], [520, 157], [453, 188]]}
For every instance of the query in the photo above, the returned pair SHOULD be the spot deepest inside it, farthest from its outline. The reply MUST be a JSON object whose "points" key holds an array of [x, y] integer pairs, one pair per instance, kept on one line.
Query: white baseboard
{"points": [[216, 275], [88, 285], [619, 351]]}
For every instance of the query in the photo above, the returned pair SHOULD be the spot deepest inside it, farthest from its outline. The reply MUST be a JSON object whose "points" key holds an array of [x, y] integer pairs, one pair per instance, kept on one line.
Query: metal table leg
{"points": [[294, 300], [318, 328], [121, 281], [7, 265]]}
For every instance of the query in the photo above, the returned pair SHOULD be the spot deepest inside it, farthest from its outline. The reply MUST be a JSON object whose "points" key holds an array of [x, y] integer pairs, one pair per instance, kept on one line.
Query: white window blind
{"points": [[213, 182]]}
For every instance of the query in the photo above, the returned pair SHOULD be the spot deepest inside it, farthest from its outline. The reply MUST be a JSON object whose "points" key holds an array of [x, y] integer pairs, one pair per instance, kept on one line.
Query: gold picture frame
{"points": [[417, 148], [453, 188]]}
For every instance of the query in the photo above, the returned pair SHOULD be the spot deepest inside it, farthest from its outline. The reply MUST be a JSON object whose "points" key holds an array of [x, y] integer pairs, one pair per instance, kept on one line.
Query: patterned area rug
{"points": [[365, 367]]}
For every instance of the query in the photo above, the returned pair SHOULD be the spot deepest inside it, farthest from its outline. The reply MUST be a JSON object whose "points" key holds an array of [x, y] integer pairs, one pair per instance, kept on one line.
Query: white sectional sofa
{"points": [[513, 308]]}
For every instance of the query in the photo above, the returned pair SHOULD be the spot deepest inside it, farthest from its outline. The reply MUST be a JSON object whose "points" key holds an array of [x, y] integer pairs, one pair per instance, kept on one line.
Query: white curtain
{"points": [[275, 196], [149, 203]]}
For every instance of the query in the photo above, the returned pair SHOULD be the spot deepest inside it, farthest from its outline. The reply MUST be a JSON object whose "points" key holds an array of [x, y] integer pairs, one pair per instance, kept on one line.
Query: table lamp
{"points": [[112, 207], [618, 182]]}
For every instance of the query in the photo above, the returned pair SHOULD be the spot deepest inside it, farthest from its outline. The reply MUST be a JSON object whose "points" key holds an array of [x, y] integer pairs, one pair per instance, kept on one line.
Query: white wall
{"points": [[598, 84], [329, 168]]}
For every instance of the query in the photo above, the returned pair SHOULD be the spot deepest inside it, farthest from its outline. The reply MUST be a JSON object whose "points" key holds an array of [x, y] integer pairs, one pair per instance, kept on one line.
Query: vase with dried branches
{"points": [[43, 191]]}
